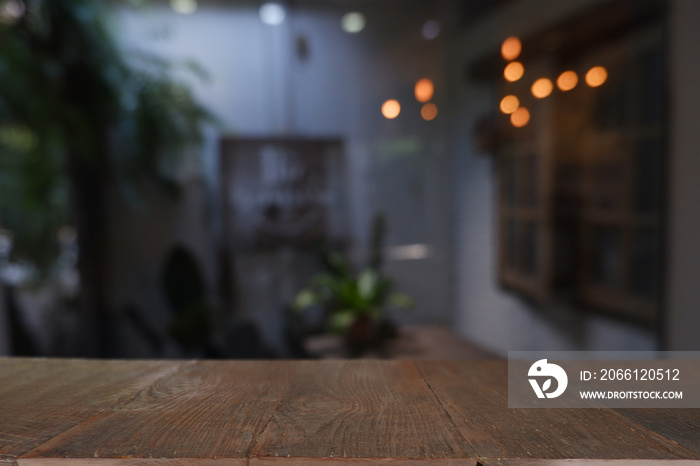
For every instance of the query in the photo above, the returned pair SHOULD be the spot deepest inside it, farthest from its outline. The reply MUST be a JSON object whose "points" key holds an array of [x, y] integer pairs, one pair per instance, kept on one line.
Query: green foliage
{"points": [[71, 100], [347, 297]]}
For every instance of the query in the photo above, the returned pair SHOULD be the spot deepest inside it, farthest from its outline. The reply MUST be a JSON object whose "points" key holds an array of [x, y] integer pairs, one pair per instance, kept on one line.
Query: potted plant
{"points": [[354, 304]]}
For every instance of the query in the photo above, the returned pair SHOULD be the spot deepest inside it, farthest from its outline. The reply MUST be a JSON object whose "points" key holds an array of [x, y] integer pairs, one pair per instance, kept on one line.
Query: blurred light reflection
{"points": [[431, 29], [596, 76], [353, 22], [183, 7], [542, 88], [429, 111], [424, 90], [567, 80], [272, 14], [391, 109], [520, 117], [511, 47], [11, 11], [509, 104], [514, 71]]}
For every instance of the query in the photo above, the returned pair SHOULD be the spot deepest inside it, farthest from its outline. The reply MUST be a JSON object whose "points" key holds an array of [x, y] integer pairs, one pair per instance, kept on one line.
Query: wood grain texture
{"points": [[679, 425], [275, 413], [430, 342], [585, 462], [8, 460], [362, 461], [205, 410], [360, 409], [40, 398], [475, 395], [133, 462]]}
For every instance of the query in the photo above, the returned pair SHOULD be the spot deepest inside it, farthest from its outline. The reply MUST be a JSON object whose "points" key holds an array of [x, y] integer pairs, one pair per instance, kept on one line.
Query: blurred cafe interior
{"points": [[348, 178]]}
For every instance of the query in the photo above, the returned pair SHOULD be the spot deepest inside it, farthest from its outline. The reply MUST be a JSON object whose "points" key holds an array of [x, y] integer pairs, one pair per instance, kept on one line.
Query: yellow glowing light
{"points": [[511, 47], [391, 109], [596, 76], [424, 90], [520, 117], [509, 104], [567, 80], [429, 111], [542, 88], [513, 71]]}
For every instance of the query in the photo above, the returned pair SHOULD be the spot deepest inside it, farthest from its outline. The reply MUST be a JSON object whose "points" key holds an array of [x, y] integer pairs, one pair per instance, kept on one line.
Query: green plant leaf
{"points": [[367, 284], [305, 299], [340, 321]]}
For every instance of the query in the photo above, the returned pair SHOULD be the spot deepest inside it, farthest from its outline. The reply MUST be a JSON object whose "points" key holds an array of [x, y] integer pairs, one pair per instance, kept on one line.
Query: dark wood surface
{"points": [[432, 342], [271, 413]]}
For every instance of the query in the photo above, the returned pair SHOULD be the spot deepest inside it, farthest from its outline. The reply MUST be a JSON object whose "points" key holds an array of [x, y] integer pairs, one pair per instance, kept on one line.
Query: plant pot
{"points": [[360, 336], [367, 334]]}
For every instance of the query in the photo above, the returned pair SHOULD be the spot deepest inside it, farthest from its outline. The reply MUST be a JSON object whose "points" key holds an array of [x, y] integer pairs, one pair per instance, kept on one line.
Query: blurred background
{"points": [[332, 178]]}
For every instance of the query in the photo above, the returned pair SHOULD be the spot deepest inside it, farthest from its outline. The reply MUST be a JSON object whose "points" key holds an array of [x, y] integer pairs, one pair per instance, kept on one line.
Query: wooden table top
{"points": [[258, 413]]}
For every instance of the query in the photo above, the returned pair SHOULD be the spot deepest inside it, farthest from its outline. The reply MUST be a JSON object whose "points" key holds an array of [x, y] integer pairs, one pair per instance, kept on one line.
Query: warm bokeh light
{"points": [[272, 13], [567, 80], [424, 90], [513, 71], [596, 76], [511, 47], [542, 88], [520, 117], [391, 109], [509, 104], [429, 111], [353, 22]]}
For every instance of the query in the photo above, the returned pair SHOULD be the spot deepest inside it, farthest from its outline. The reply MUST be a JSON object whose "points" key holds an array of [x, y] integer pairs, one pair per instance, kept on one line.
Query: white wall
{"points": [[258, 86], [683, 277], [487, 314]]}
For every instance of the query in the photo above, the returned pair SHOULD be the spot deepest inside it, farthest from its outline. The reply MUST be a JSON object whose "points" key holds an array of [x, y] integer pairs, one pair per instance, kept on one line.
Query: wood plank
{"points": [[40, 398], [361, 461], [361, 409], [585, 462], [8, 460], [133, 462], [205, 410], [475, 395], [679, 425]]}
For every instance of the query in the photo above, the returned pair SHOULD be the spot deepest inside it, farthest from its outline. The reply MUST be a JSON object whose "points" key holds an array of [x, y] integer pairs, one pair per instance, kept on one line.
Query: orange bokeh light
{"points": [[513, 71], [596, 76], [567, 80], [511, 47], [542, 88], [509, 104], [424, 90], [520, 117], [429, 111], [391, 109]]}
